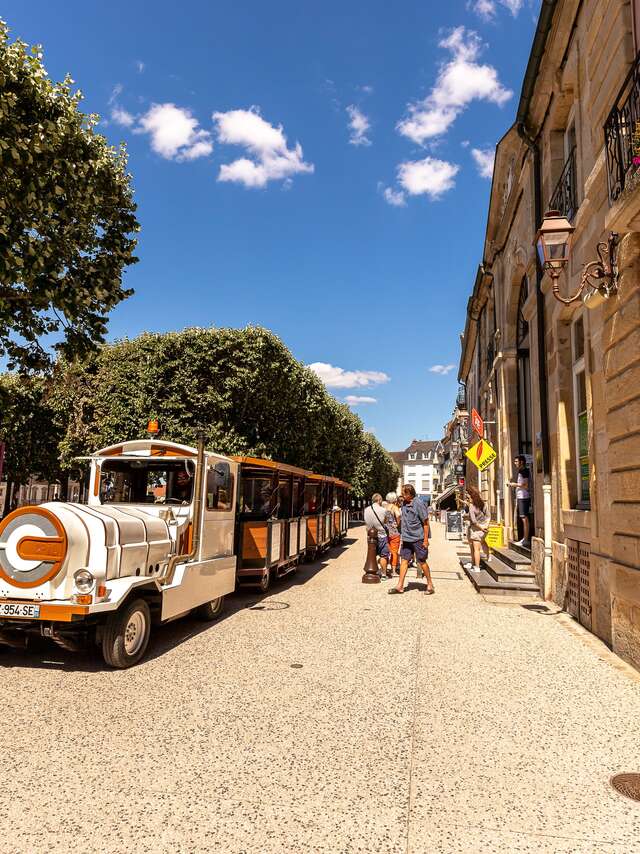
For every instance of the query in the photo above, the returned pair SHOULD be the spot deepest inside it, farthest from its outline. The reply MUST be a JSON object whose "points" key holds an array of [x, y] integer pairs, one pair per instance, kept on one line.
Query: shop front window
{"points": [[581, 415]]}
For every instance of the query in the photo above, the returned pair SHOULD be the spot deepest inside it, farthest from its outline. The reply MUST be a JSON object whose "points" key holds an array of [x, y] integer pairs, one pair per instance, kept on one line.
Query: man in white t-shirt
{"points": [[374, 518], [523, 498]]}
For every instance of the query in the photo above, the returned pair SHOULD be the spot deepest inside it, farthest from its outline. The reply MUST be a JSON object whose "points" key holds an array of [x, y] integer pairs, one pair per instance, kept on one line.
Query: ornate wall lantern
{"points": [[553, 242]]}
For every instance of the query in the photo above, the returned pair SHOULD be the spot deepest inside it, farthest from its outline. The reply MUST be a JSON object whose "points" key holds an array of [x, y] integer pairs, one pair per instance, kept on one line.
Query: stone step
{"points": [[525, 551], [485, 583], [502, 571], [516, 560]]}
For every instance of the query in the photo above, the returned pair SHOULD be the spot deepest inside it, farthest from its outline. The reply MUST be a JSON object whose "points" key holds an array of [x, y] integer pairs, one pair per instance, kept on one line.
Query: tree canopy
{"points": [[66, 215], [28, 430], [243, 384]]}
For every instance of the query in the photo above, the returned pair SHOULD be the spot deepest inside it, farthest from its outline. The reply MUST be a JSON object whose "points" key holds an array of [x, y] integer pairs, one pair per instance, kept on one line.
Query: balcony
{"points": [[622, 135], [461, 398], [565, 196]]}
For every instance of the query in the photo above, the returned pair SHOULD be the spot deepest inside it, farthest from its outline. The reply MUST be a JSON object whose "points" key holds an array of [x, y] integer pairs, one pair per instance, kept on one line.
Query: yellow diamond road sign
{"points": [[481, 454]]}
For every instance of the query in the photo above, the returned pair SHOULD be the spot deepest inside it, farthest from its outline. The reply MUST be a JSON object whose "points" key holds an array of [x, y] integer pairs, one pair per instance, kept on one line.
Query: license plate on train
{"points": [[20, 610]]}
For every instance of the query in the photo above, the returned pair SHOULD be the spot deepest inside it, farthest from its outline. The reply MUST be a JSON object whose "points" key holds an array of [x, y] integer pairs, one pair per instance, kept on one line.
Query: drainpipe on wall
{"points": [[543, 29], [542, 370]]}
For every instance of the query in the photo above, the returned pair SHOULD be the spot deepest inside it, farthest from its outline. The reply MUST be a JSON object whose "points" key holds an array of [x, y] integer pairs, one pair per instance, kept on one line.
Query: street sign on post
{"points": [[477, 423], [481, 454]]}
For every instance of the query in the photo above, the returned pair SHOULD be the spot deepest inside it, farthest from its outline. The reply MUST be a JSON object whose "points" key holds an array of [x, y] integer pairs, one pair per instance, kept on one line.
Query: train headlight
{"points": [[83, 581]]}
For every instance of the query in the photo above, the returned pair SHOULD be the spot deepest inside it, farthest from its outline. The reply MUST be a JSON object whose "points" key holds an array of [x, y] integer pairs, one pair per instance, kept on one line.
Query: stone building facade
{"points": [[562, 382]]}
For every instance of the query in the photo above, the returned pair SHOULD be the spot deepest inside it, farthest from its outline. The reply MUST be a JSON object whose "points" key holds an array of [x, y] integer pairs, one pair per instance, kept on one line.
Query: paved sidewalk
{"points": [[327, 717]]}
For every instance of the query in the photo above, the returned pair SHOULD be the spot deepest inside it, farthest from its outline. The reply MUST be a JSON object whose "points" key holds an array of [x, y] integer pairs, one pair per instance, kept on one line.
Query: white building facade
{"points": [[420, 466]]}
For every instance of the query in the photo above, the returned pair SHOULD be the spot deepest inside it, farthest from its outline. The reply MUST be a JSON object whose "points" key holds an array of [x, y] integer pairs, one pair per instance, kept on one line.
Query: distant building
{"points": [[38, 491], [419, 466]]}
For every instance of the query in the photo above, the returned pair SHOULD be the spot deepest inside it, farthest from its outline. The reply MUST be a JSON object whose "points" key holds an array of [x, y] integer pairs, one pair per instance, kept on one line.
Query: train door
{"points": [[218, 510]]}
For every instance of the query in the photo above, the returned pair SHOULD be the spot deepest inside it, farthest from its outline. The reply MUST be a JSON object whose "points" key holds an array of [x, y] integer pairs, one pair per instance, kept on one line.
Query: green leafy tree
{"points": [[66, 215], [243, 384], [375, 470], [28, 430]]}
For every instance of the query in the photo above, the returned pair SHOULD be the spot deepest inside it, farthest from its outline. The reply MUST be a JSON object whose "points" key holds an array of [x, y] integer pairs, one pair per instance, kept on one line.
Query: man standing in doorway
{"points": [[414, 530], [374, 518], [523, 499]]}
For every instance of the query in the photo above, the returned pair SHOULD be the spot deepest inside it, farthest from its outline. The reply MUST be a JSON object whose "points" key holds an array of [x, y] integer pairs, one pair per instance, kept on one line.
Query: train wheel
{"points": [[126, 635], [265, 582], [211, 610]]}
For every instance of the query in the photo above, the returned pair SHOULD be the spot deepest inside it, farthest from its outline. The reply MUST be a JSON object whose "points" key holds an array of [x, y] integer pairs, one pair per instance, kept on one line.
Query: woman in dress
{"points": [[479, 521]]}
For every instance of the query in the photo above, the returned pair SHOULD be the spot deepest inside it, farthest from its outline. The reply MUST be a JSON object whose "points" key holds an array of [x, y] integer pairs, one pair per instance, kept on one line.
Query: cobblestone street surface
{"points": [[328, 716]]}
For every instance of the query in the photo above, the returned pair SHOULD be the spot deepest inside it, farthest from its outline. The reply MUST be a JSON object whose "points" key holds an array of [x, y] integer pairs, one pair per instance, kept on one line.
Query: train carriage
{"points": [[167, 529], [285, 514]]}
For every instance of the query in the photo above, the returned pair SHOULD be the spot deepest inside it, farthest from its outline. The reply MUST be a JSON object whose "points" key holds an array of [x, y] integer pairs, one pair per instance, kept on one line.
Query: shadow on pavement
{"points": [[42, 654]]}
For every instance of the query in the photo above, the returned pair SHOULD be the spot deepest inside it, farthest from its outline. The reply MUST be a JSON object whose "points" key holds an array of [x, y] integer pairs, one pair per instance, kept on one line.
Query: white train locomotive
{"points": [[167, 529]]}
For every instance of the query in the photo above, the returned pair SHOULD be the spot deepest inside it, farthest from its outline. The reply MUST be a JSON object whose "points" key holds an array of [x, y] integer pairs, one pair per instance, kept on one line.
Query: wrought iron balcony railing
{"points": [[622, 134], [565, 195]]}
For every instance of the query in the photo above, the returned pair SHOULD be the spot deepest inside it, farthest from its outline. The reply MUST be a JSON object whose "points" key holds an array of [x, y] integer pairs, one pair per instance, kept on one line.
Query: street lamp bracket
{"points": [[553, 244]]}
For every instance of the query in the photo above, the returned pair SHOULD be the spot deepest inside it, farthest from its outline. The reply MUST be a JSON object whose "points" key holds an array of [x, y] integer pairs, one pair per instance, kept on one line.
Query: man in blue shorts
{"points": [[414, 530]]}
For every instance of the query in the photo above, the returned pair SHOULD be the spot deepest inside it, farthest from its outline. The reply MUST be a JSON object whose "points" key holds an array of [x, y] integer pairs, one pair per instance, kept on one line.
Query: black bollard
{"points": [[371, 564]]}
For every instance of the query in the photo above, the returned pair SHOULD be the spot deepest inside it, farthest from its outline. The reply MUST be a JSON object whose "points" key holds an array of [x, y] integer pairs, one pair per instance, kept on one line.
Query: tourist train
{"points": [[167, 529]]}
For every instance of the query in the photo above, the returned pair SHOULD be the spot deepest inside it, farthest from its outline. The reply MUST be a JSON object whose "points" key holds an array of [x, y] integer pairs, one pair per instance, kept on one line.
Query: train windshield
{"points": [[146, 482]]}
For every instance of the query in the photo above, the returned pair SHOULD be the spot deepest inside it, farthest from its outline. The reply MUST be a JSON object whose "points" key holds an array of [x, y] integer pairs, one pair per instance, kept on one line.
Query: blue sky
{"points": [[305, 167]]}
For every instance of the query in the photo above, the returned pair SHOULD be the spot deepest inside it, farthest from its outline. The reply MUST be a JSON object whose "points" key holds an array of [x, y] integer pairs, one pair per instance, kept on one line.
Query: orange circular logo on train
{"points": [[33, 546]]}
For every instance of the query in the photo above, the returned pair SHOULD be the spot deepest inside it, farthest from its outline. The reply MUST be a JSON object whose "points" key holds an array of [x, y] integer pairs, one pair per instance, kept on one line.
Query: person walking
{"points": [[374, 517], [523, 498], [392, 519], [415, 538], [479, 521]]}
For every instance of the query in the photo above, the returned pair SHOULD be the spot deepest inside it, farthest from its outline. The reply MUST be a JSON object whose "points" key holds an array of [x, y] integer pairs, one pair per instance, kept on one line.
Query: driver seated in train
{"points": [[181, 486]]}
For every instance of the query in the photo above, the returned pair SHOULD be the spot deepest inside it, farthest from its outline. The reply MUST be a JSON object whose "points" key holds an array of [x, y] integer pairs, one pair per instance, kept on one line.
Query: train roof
{"points": [[274, 465]]}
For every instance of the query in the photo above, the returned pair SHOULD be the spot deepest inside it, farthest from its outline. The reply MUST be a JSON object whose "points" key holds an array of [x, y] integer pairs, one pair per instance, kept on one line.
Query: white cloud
{"points": [[140, 66], [394, 197], [460, 81], [367, 90], [358, 125], [356, 399], [430, 176], [513, 6], [485, 9], [484, 161], [122, 117], [115, 92], [441, 369], [270, 157], [339, 378], [175, 133]]}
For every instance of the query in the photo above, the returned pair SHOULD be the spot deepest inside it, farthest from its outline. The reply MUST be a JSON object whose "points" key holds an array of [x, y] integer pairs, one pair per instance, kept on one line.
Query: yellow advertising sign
{"points": [[495, 536], [481, 454]]}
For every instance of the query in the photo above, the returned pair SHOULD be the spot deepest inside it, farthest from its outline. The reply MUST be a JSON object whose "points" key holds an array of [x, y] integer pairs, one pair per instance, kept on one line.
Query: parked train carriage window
{"points": [[259, 496], [297, 501], [284, 497], [311, 497], [219, 487]]}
